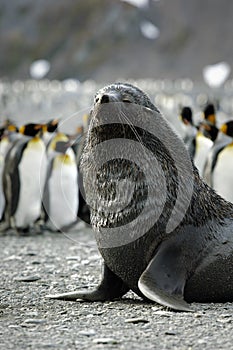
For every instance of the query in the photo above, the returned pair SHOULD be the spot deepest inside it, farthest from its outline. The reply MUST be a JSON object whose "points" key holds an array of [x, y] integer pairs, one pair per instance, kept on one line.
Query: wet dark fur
{"points": [[203, 228]]}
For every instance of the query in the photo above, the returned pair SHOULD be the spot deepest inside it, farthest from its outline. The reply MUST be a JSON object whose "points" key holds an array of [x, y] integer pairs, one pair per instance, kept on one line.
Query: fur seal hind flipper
{"points": [[111, 287], [164, 279]]}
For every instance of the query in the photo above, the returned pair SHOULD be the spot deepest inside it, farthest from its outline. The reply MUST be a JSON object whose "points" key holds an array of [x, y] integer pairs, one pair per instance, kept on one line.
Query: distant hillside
{"points": [[102, 40]]}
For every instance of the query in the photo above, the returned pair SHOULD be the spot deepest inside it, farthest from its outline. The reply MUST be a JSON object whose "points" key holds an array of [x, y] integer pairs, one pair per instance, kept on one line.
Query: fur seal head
{"points": [[123, 92], [133, 174]]}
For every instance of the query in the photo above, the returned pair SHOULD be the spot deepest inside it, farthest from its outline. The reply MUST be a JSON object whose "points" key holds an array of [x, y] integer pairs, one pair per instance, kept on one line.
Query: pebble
{"points": [[224, 320], [31, 278], [136, 320], [35, 320], [156, 308], [72, 258], [63, 312], [99, 313], [105, 341], [163, 313], [170, 333], [85, 262], [88, 332], [30, 253], [226, 315], [49, 345], [13, 257]]}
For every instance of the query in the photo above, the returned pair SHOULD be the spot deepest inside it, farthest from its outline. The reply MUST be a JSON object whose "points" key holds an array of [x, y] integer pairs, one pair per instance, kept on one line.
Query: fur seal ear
{"points": [[164, 279]]}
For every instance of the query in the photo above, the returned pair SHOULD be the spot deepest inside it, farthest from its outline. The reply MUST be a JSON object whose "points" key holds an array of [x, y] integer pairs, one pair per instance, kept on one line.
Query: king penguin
{"points": [[197, 144], [221, 140], [50, 130], [23, 180], [60, 198], [8, 135], [209, 114], [222, 165]]}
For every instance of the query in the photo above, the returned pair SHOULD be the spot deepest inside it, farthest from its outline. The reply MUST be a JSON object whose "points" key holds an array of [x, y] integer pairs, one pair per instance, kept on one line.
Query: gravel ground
{"points": [[34, 266]]}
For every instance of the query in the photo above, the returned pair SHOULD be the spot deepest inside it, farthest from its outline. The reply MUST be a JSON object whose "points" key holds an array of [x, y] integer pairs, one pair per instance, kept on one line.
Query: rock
{"points": [[72, 258], [31, 278], [224, 320], [35, 320], [170, 332], [163, 313], [88, 332], [136, 320], [105, 341]]}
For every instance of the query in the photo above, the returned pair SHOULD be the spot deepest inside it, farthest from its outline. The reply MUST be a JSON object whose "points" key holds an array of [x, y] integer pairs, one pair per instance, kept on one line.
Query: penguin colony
{"points": [[39, 179], [211, 148]]}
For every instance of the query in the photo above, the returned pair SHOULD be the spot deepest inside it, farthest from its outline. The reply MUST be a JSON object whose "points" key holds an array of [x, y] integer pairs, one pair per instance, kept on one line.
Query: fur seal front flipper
{"points": [[111, 287], [164, 279]]}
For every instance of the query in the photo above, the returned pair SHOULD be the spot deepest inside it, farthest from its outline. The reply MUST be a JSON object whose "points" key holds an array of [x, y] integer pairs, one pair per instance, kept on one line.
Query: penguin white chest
{"points": [[32, 172], [63, 192], [203, 146], [222, 176]]}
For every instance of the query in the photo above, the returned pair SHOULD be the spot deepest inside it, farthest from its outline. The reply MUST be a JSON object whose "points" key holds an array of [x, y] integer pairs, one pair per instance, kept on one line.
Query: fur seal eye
{"points": [[126, 100]]}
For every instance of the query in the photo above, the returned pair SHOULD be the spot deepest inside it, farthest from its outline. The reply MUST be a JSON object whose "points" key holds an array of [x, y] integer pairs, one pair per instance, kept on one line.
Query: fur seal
{"points": [[166, 250]]}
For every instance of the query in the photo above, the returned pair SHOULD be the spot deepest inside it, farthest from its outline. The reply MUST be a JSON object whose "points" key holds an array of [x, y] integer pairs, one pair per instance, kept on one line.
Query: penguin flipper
{"points": [[111, 287], [164, 279], [45, 210], [10, 177]]}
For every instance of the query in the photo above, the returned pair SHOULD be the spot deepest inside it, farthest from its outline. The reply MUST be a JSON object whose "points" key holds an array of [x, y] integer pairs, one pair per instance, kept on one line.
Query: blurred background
{"points": [[109, 39], [76, 46], [56, 54]]}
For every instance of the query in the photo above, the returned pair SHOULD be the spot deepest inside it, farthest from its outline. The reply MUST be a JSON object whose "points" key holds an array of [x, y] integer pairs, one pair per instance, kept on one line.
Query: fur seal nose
{"points": [[104, 99]]}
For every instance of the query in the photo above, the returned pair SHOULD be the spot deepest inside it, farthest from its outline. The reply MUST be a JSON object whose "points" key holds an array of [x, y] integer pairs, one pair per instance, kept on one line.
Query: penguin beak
{"points": [[55, 122], [44, 128], [211, 118], [22, 129], [223, 129], [11, 128]]}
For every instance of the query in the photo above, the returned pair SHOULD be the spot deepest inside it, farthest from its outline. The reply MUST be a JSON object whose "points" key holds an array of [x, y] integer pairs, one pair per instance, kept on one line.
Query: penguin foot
{"points": [[23, 231], [28, 231], [4, 226]]}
